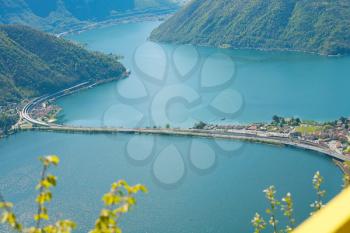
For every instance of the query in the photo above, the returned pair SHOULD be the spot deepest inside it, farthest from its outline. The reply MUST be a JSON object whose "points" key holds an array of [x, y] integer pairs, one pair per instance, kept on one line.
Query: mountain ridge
{"points": [[34, 63], [58, 15], [297, 25]]}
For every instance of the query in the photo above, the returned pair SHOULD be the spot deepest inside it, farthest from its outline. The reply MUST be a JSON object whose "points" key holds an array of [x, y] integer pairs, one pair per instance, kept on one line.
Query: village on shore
{"points": [[334, 135]]}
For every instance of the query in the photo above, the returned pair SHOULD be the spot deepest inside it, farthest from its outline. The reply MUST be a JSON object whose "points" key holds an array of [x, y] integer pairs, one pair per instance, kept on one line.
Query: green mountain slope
{"points": [[62, 15], [33, 63], [320, 26]]}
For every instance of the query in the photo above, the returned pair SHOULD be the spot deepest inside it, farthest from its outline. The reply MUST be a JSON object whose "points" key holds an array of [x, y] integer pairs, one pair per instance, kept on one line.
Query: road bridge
{"points": [[219, 134], [213, 133]]}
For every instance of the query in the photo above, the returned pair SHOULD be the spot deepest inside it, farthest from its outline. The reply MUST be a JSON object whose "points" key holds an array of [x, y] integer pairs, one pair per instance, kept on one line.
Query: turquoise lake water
{"points": [[222, 198], [195, 185], [181, 85]]}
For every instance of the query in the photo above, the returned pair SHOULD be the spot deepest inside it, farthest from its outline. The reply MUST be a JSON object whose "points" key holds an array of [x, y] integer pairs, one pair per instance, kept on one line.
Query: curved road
{"points": [[25, 113], [255, 136]]}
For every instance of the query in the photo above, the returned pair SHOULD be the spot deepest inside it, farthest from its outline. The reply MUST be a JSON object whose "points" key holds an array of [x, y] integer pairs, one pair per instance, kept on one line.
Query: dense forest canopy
{"points": [[55, 15], [33, 63], [320, 26]]}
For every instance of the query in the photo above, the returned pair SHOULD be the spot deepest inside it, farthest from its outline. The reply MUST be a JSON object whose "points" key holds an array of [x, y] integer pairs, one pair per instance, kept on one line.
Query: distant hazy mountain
{"points": [[33, 63], [320, 26], [53, 14]]}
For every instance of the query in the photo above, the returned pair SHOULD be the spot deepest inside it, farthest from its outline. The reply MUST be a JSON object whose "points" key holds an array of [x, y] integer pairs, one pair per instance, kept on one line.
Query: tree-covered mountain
{"points": [[53, 15], [33, 63], [320, 26]]}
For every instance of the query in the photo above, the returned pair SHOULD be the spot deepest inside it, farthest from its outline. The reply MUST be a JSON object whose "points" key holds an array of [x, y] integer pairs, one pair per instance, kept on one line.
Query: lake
{"points": [[195, 185], [181, 85]]}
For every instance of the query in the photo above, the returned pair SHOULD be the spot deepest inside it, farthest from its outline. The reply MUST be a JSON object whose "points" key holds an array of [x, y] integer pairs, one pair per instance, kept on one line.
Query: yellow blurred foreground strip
{"points": [[333, 218]]}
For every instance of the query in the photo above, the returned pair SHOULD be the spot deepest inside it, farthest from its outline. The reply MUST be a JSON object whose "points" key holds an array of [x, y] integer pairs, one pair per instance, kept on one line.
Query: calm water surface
{"points": [[181, 85], [196, 185], [220, 199]]}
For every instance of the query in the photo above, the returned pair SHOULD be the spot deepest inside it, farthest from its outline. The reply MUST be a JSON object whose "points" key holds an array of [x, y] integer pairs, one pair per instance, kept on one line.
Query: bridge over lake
{"points": [[218, 134], [252, 136]]}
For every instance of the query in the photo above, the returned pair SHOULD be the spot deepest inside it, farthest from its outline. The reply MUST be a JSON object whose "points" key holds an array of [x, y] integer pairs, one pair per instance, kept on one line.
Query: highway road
{"points": [[254, 136]]}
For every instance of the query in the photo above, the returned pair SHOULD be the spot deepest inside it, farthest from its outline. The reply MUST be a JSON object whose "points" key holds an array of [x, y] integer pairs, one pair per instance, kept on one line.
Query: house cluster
{"points": [[45, 111], [333, 135]]}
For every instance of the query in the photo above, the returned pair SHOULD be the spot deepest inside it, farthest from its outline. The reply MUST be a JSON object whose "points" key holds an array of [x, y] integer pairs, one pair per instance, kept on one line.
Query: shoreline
{"points": [[53, 97], [206, 133], [282, 50], [343, 167], [24, 114], [163, 13], [243, 135], [238, 135], [51, 126], [53, 118], [130, 17]]}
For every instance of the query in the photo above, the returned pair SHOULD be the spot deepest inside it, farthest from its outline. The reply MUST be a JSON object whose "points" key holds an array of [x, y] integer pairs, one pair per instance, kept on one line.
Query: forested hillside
{"points": [[55, 15], [320, 26], [33, 63]]}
